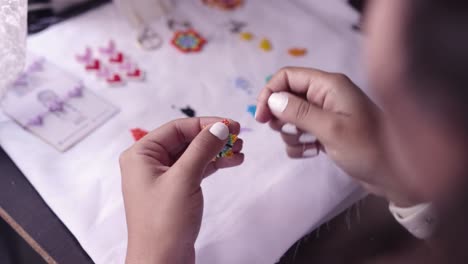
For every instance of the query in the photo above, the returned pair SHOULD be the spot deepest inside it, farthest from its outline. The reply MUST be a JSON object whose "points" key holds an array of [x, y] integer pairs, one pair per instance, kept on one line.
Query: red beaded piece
{"points": [[138, 133]]}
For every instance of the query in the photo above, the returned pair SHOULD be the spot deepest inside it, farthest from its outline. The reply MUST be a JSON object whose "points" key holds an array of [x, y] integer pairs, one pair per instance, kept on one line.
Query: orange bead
{"points": [[297, 52]]}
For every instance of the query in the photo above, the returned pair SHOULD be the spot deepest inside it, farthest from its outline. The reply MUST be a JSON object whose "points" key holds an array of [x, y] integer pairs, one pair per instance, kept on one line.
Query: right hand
{"points": [[348, 126]]}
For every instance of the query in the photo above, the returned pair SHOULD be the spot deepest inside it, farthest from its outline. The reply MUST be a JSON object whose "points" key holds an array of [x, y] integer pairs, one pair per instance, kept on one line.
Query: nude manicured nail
{"points": [[220, 130], [310, 153], [307, 138], [278, 102], [289, 129]]}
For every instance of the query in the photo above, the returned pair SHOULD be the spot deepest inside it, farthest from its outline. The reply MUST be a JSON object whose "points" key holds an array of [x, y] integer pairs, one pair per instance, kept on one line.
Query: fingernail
{"points": [[289, 129], [310, 153], [278, 102], [220, 130], [307, 138]]}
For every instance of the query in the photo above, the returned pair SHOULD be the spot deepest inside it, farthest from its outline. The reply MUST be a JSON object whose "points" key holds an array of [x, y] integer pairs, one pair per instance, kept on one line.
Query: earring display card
{"points": [[54, 105]]}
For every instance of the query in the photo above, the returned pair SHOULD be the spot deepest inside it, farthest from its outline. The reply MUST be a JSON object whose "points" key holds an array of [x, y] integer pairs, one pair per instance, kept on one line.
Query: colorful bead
{"points": [[247, 36], [227, 150], [224, 4], [252, 109], [265, 45], [188, 41], [297, 52], [226, 122], [138, 133]]}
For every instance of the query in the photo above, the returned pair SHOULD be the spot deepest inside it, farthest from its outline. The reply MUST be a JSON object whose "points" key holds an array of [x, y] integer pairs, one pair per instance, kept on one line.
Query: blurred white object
{"points": [[12, 40], [140, 14]]}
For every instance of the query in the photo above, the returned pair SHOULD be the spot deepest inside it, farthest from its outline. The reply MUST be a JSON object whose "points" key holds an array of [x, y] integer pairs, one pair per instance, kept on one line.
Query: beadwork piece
{"points": [[227, 150], [252, 109], [188, 41], [224, 4], [265, 45], [226, 122], [236, 26], [297, 52], [247, 36], [138, 133]]}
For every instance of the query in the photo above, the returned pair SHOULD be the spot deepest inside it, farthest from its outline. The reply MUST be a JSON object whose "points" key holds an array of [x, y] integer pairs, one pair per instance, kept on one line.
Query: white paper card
{"points": [[55, 105]]}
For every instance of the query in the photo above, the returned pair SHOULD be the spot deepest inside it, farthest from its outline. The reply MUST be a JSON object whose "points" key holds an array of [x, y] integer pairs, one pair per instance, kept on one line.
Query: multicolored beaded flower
{"points": [[188, 41]]}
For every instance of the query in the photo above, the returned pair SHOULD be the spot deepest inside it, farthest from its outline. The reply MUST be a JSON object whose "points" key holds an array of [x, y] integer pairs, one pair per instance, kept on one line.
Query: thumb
{"points": [[203, 148], [292, 109]]}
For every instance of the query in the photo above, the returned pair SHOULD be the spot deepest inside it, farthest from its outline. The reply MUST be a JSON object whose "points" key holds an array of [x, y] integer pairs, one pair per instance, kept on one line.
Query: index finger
{"points": [[294, 80]]}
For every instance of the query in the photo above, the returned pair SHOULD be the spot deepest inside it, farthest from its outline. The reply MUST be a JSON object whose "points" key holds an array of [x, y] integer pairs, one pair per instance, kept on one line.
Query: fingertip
{"points": [[263, 113], [234, 127], [238, 146]]}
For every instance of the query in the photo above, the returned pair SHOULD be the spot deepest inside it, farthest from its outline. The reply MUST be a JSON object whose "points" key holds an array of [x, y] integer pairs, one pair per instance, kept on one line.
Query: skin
{"points": [[161, 176], [384, 148]]}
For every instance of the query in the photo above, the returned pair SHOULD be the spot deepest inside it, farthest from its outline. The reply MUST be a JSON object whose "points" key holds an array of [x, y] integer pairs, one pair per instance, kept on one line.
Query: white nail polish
{"points": [[278, 102], [220, 130], [307, 138], [310, 153], [289, 129]]}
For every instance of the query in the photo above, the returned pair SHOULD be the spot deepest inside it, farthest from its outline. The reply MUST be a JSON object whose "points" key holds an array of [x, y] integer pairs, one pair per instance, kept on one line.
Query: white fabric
{"points": [[420, 220], [253, 213]]}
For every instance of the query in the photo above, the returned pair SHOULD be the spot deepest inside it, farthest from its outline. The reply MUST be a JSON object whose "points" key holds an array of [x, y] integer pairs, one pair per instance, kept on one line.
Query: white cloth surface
{"points": [[253, 213]]}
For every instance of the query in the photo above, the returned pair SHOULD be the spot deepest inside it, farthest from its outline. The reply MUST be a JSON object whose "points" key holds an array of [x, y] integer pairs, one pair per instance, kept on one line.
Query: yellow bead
{"points": [[247, 36], [265, 45], [233, 138]]}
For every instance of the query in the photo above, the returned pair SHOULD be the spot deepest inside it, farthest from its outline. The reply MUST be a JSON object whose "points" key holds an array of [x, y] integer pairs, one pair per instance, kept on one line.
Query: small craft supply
{"points": [[174, 25], [112, 66], [297, 52], [224, 4], [136, 74], [148, 39], [268, 78], [115, 80], [247, 36], [245, 130], [138, 133], [236, 26], [94, 65], [188, 111], [227, 152], [265, 45], [243, 84], [252, 109], [188, 41]]}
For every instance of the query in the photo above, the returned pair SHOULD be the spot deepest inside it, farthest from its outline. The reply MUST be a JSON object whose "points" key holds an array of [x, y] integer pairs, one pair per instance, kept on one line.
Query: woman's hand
{"points": [[348, 126], [161, 176]]}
